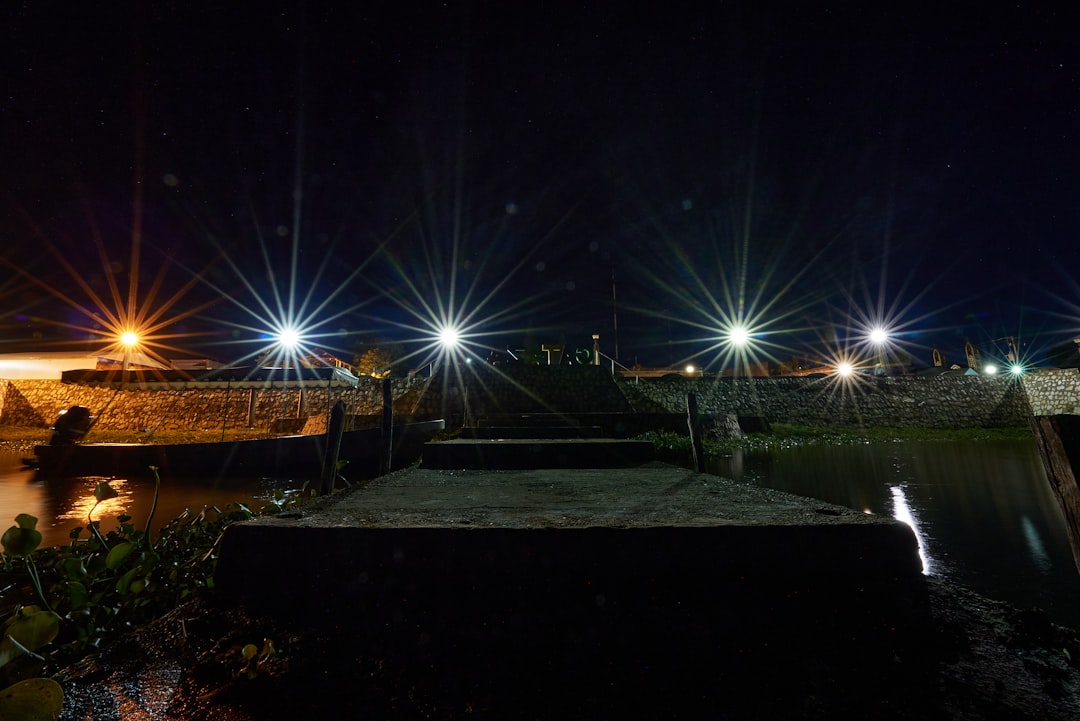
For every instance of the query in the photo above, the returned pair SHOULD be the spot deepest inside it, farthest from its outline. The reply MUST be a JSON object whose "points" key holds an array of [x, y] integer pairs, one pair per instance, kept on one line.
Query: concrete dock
{"points": [[618, 586]]}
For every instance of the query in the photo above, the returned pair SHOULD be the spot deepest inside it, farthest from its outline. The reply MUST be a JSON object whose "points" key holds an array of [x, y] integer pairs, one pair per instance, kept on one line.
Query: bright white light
{"points": [[879, 336], [1016, 369], [289, 338], [690, 369], [990, 369], [902, 511], [845, 369], [130, 338], [739, 336], [449, 337]]}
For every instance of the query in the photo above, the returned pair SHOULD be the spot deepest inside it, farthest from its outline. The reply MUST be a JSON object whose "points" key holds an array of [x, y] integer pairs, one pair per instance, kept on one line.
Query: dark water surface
{"points": [[983, 511], [61, 505]]}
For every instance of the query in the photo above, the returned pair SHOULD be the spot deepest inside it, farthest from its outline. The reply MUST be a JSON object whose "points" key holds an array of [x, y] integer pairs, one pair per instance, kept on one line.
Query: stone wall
{"points": [[936, 402], [39, 402], [1053, 391]]}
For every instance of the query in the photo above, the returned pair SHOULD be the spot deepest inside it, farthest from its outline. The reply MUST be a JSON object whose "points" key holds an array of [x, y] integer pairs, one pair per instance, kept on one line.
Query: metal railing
{"points": [[617, 363]]}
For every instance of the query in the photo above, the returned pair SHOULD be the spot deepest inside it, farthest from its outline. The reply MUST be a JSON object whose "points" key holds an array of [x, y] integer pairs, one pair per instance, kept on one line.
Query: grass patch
{"points": [[675, 447], [22, 439], [786, 435]]}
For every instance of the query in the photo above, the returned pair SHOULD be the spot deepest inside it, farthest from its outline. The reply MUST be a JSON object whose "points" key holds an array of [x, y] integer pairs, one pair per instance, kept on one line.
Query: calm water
{"points": [[63, 505], [983, 512]]}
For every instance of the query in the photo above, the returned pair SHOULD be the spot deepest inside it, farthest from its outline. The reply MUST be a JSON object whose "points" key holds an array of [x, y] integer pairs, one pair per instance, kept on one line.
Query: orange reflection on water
{"points": [[81, 502]]}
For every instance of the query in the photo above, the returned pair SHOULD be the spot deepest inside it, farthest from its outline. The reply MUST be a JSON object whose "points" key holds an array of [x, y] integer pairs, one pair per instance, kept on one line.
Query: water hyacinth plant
{"points": [[96, 587]]}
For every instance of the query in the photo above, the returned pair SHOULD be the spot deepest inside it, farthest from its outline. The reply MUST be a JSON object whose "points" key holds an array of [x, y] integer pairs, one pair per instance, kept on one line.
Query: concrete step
{"points": [[533, 420], [526, 453], [549, 432]]}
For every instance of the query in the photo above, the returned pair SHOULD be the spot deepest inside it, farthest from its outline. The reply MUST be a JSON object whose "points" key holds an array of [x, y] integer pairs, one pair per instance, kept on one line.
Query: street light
{"points": [[879, 336], [288, 338], [449, 337], [739, 336]]}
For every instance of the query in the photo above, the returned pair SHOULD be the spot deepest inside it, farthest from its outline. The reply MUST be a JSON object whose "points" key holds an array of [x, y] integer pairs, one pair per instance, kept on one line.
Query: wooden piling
{"points": [[387, 445], [333, 447], [693, 422], [1058, 439]]}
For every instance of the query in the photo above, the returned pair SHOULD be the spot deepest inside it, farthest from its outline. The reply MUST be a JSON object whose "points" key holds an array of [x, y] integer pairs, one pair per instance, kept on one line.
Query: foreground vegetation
{"points": [[68, 601]]}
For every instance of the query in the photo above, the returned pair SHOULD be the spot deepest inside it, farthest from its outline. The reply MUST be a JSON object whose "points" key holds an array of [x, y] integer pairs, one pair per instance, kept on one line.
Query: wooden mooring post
{"points": [[1058, 439], [693, 421], [333, 448], [386, 448]]}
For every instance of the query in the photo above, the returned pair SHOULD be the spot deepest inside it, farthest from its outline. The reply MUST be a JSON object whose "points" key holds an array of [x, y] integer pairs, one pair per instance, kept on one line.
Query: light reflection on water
{"points": [[85, 508], [902, 512], [61, 506], [983, 512]]}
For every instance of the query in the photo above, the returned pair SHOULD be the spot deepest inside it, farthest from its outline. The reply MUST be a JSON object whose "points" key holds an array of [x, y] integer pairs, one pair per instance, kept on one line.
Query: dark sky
{"points": [[805, 168]]}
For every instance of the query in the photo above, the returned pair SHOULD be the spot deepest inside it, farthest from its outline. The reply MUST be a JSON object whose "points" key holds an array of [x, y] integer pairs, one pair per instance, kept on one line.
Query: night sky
{"points": [[806, 170]]}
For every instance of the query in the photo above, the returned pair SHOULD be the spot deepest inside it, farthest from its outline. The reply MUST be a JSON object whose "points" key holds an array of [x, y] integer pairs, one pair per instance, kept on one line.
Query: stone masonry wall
{"points": [[936, 402], [39, 402], [1053, 391], [933, 402]]}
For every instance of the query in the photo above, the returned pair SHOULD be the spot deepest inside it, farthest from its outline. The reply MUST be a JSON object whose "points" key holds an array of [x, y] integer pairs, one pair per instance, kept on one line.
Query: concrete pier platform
{"points": [[420, 520], [618, 587]]}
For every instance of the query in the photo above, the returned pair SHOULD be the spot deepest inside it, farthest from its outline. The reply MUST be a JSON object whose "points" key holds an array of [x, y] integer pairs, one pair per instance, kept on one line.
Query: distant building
{"points": [[50, 365]]}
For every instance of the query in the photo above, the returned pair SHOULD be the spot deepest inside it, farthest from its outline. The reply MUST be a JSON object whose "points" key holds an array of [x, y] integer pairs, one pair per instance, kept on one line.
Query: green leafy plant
{"points": [[257, 661], [34, 699], [102, 585], [29, 629]]}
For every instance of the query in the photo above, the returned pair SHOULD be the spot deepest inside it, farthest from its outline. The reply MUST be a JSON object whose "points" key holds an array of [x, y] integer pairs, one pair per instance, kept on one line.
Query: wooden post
{"points": [[1058, 439], [225, 416], [333, 448], [387, 445], [693, 421]]}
